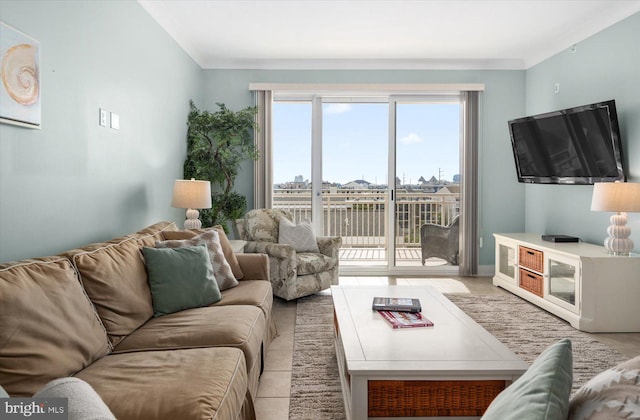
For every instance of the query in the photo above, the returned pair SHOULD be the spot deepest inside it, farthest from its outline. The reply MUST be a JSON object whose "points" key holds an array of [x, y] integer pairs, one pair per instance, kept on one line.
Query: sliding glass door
{"points": [[424, 136], [354, 173], [372, 170]]}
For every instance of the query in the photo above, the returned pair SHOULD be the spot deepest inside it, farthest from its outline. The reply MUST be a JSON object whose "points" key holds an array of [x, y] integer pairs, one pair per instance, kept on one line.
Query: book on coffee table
{"points": [[405, 319], [396, 304]]}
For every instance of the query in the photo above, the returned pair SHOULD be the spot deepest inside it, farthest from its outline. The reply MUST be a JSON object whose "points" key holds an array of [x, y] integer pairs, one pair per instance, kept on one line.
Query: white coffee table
{"points": [[451, 370]]}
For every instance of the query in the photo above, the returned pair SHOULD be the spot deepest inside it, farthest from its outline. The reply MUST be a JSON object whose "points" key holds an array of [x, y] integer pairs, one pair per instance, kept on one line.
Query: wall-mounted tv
{"points": [[579, 145]]}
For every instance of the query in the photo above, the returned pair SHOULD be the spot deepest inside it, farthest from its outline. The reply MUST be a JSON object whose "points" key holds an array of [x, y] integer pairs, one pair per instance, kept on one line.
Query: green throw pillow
{"points": [[542, 392], [180, 278]]}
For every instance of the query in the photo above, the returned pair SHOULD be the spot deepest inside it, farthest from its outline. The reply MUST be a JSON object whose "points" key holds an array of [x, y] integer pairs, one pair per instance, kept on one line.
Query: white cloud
{"points": [[411, 138], [332, 109]]}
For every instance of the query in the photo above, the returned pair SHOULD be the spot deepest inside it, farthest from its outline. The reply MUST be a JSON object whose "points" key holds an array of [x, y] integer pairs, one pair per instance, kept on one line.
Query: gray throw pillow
{"points": [[180, 278], [542, 392], [83, 402], [3, 393], [211, 239], [300, 237]]}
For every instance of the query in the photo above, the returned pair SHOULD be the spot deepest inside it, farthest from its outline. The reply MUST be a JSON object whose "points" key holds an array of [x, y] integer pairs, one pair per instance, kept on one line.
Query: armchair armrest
{"points": [[254, 266], [270, 248], [329, 245]]}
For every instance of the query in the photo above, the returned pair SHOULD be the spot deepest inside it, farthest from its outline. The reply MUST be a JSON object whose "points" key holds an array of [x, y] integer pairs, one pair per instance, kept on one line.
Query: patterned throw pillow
{"points": [[224, 241], [300, 236], [612, 394], [221, 268]]}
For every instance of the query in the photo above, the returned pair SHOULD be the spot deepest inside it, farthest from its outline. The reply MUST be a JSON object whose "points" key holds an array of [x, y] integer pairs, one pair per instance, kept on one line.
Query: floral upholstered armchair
{"points": [[300, 263]]}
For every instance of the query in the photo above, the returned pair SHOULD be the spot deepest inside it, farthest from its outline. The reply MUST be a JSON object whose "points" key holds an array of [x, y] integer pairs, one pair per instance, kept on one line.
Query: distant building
{"points": [[358, 184]]}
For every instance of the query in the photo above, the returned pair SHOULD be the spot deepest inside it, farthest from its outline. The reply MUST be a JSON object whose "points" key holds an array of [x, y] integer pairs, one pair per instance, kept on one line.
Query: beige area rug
{"points": [[524, 328], [527, 330]]}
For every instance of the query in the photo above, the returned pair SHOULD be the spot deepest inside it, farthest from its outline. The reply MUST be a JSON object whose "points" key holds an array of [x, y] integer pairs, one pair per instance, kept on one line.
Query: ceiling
{"points": [[382, 34]]}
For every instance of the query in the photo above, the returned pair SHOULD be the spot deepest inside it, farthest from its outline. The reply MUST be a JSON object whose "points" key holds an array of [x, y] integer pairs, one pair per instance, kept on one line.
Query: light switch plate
{"points": [[115, 121], [103, 117]]}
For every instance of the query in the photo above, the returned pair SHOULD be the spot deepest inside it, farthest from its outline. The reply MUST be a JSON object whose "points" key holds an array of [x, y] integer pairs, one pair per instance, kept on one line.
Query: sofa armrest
{"points": [[329, 245], [254, 266]]}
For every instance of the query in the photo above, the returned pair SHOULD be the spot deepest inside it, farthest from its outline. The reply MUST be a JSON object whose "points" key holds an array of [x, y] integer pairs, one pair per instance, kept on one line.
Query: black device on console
{"points": [[560, 238]]}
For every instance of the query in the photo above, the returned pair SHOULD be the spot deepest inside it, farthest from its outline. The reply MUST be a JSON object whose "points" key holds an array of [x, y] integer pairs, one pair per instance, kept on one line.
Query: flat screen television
{"points": [[579, 145]]}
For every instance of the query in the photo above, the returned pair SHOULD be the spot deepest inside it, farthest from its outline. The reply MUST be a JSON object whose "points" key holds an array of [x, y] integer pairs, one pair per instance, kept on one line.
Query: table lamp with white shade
{"points": [[619, 197], [191, 195]]}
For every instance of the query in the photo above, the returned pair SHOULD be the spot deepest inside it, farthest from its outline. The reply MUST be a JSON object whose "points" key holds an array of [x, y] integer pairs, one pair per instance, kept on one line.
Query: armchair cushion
{"points": [[299, 236]]}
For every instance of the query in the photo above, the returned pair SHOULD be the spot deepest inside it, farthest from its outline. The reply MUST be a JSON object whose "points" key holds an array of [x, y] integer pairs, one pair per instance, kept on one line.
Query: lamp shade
{"points": [[616, 197], [191, 194]]}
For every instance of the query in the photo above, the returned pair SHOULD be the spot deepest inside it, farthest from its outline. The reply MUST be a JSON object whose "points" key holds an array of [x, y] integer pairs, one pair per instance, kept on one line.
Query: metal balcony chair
{"points": [[441, 242]]}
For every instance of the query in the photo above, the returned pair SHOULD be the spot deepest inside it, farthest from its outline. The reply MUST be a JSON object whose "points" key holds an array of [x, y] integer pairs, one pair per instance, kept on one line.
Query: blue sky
{"points": [[355, 141]]}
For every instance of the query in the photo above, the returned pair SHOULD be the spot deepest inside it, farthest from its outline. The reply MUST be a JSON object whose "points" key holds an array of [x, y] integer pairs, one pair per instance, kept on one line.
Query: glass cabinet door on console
{"points": [[506, 257], [562, 282]]}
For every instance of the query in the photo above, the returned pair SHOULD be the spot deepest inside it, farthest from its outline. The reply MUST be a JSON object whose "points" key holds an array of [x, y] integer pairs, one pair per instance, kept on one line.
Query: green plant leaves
{"points": [[217, 144]]}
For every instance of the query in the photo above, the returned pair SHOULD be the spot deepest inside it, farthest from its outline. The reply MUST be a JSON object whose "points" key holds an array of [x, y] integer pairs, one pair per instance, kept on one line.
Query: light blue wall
{"points": [[501, 197], [74, 182], [605, 66]]}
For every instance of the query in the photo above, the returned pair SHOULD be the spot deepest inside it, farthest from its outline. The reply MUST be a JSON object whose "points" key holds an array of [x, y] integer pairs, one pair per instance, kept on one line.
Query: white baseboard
{"points": [[487, 270]]}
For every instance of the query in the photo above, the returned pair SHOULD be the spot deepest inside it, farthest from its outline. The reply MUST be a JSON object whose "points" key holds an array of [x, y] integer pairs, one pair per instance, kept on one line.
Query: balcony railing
{"points": [[359, 216]]}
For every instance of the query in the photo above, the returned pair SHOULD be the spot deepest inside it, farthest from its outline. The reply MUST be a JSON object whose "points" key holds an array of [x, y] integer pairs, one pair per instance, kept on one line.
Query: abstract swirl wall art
{"points": [[20, 73]]}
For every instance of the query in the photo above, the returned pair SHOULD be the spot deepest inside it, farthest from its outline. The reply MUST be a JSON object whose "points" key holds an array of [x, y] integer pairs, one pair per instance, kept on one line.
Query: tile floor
{"points": [[272, 402]]}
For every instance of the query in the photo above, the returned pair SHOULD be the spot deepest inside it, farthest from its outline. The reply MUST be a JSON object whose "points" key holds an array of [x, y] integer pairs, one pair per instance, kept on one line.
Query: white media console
{"points": [[578, 282]]}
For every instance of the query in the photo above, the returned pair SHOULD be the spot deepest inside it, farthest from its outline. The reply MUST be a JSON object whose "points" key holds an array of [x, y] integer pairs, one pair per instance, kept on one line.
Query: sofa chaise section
{"points": [[205, 383]]}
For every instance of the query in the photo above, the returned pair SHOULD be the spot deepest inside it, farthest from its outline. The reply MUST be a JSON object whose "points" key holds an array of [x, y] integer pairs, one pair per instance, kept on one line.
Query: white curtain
{"points": [[263, 169], [469, 239]]}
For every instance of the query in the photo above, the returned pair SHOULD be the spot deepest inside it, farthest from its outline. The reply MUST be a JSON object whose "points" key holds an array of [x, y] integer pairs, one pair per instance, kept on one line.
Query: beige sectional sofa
{"points": [[88, 313]]}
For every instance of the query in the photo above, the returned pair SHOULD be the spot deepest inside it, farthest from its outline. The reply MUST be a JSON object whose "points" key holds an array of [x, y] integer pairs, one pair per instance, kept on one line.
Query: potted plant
{"points": [[217, 144]]}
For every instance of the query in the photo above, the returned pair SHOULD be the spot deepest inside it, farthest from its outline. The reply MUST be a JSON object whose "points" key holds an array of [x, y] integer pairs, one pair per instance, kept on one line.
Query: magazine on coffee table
{"points": [[396, 304], [405, 319]]}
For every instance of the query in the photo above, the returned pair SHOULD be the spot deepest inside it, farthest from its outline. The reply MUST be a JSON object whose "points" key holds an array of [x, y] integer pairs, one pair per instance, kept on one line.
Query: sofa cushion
{"points": [[48, 327], [219, 326], [114, 276], [542, 392], [83, 402], [256, 293], [154, 233], [311, 263], [300, 236], [612, 394], [180, 278], [211, 239], [227, 249], [204, 383]]}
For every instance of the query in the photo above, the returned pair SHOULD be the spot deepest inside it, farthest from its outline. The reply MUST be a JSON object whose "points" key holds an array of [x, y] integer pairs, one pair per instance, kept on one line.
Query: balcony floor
{"points": [[406, 257]]}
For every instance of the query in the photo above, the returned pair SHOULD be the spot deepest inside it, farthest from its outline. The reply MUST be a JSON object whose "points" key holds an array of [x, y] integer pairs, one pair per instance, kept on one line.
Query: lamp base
{"points": [[618, 242], [192, 221]]}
